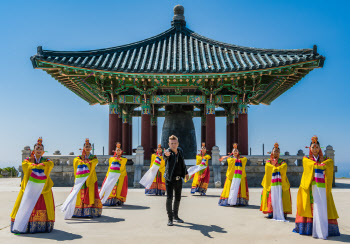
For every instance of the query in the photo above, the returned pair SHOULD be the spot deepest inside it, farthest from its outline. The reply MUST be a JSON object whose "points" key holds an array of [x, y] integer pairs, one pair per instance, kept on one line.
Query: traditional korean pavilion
{"points": [[178, 72]]}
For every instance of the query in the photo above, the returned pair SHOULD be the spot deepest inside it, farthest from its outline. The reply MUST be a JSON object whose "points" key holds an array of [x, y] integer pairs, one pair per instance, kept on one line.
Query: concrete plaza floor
{"points": [[143, 220]]}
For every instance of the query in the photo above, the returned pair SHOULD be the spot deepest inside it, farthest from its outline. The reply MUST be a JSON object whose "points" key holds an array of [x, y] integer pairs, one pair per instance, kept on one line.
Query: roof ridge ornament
{"points": [[179, 18]]}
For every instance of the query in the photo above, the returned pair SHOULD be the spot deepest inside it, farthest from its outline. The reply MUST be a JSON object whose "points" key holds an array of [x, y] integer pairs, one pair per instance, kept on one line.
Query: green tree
{"points": [[13, 172]]}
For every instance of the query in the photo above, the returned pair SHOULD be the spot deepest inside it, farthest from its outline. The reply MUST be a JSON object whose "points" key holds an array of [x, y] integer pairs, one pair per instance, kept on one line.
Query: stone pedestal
{"points": [[138, 165], [216, 164]]}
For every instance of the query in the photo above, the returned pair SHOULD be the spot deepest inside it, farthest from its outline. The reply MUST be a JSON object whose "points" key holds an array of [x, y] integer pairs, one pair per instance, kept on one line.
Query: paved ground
{"points": [[143, 220]]}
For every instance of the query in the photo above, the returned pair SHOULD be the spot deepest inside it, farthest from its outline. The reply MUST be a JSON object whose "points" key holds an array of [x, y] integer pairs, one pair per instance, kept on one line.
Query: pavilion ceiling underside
{"points": [[249, 87]]}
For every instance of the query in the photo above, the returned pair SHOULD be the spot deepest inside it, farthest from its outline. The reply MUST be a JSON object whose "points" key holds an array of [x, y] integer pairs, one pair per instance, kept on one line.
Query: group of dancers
{"points": [[34, 209]]}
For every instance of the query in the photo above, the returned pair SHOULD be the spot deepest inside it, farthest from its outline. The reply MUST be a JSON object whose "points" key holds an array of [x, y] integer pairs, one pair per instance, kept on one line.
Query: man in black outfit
{"points": [[175, 170]]}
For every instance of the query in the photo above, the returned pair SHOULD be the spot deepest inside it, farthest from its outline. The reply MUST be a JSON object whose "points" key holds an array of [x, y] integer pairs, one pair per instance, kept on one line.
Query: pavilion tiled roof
{"points": [[178, 50]]}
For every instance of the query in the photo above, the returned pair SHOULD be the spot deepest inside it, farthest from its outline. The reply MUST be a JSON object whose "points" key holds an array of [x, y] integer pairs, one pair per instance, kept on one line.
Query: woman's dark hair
{"points": [[85, 144], [36, 144], [316, 143]]}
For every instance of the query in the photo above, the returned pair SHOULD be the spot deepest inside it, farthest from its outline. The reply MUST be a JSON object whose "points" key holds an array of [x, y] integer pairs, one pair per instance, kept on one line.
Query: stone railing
{"points": [[256, 167], [63, 174]]}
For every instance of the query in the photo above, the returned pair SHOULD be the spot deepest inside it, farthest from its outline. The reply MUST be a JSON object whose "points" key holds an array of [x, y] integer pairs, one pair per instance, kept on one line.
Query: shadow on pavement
{"points": [[102, 219], [341, 238], [217, 196], [128, 207], [342, 186], [58, 235], [250, 207], [290, 219], [204, 229]]}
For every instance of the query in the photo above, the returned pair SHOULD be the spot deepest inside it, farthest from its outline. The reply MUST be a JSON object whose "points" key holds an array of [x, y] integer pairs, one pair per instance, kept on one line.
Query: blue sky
{"points": [[34, 104]]}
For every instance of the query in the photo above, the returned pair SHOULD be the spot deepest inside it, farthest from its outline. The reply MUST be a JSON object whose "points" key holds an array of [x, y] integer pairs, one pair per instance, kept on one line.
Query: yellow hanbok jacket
{"points": [[46, 192], [196, 175], [266, 184], [161, 167], [91, 180], [229, 175], [305, 189], [122, 176]]}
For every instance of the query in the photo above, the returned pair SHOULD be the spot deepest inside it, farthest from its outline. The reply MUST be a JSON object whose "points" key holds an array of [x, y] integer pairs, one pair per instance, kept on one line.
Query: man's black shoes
{"points": [[178, 220], [170, 222]]}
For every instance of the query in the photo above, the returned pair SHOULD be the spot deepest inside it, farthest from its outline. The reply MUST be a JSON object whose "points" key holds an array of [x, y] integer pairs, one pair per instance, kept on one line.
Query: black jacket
{"points": [[170, 164]]}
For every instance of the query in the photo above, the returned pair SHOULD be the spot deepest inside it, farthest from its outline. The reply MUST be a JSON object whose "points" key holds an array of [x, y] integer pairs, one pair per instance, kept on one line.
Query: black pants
{"points": [[171, 186]]}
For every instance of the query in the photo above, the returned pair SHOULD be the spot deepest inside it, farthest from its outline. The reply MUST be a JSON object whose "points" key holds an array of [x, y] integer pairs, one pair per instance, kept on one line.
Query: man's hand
{"points": [[167, 153], [186, 177]]}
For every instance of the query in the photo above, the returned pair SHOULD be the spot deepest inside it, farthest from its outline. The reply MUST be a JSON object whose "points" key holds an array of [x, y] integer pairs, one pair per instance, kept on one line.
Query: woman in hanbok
{"points": [[235, 192], [84, 200], [202, 177], [34, 210], [275, 197], [316, 212], [158, 185], [119, 191]]}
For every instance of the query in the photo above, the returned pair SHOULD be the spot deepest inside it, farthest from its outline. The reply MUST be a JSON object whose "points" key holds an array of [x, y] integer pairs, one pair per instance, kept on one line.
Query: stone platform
{"points": [[143, 220]]}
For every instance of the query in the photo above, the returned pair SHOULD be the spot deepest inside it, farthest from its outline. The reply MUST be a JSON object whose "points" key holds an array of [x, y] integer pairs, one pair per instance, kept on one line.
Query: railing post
{"points": [[25, 154], [216, 166], [300, 161], [138, 165], [70, 162], [329, 153], [56, 161]]}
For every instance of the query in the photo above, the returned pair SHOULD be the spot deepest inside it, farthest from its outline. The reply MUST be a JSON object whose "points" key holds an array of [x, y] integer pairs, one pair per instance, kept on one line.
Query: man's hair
{"points": [[172, 137]]}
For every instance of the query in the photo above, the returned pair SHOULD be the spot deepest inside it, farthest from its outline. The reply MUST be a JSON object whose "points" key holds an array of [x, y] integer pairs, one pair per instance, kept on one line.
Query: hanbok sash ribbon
{"points": [[194, 169], [236, 183], [82, 174], [276, 196], [149, 176], [320, 216], [112, 179], [32, 192]]}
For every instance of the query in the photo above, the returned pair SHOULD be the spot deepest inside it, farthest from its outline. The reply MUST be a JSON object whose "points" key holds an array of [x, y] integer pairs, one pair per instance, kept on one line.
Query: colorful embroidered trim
{"points": [[115, 167], [82, 171], [276, 179], [37, 176]]}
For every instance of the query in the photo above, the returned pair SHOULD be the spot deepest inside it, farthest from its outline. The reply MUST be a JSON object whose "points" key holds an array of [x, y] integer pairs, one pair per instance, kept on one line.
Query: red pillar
{"points": [[120, 128], [113, 128], [236, 132], [243, 133], [130, 136], [228, 136], [232, 136], [210, 132], [203, 128], [146, 135], [154, 132], [125, 134]]}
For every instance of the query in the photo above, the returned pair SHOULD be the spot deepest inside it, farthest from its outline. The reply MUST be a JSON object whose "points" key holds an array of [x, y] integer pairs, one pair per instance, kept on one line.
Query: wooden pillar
{"points": [[231, 129], [232, 135], [203, 127], [210, 127], [126, 135], [236, 132], [154, 132], [146, 129], [130, 135], [113, 127], [243, 131], [228, 135], [120, 127]]}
